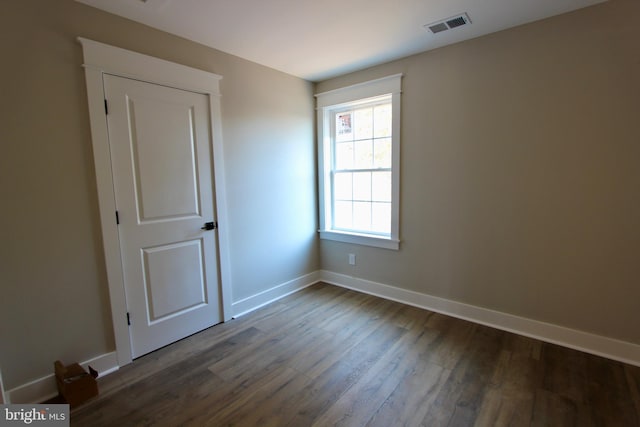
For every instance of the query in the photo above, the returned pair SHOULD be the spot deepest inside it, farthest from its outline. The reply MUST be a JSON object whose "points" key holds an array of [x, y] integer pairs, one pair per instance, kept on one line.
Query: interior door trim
{"points": [[100, 59]]}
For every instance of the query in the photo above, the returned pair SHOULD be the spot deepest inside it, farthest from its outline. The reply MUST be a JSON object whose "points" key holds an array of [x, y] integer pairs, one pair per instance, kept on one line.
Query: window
{"points": [[359, 156]]}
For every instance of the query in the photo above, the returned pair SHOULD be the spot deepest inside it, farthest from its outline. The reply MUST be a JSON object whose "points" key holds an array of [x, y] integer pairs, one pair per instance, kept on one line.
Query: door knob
{"points": [[209, 226]]}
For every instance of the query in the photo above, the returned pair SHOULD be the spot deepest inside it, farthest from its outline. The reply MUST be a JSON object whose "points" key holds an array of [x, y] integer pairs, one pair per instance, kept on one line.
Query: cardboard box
{"points": [[75, 384]]}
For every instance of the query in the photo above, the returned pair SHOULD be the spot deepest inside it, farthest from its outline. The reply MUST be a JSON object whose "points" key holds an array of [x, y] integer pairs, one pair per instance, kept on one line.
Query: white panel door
{"points": [[160, 144]]}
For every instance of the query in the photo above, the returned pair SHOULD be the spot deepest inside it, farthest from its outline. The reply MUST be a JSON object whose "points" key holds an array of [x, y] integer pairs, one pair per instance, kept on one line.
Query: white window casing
{"points": [[328, 103]]}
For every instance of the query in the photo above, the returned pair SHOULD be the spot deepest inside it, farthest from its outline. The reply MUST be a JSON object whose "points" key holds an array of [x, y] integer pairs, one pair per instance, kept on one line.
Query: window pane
{"points": [[344, 155], [381, 186], [363, 123], [381, 217], [382, 120], [382, 153], [363, 154], [343, 126], [362, 216], [342, 215], [342, 189], [362, 186]]}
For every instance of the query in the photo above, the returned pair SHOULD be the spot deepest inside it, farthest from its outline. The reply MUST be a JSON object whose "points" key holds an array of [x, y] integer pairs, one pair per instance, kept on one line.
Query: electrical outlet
{"points": [[352, 259]]}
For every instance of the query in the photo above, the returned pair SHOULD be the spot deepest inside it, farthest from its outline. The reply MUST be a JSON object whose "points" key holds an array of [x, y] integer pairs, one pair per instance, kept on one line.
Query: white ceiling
{"points": [[319, 39]]}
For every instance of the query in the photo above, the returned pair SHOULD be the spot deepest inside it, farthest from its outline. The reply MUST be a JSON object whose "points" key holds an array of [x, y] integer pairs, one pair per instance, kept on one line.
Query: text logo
{"points": [[36, 415]]}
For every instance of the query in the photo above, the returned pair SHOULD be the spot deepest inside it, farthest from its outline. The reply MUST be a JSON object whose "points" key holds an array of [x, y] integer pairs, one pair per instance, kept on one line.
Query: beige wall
{"points": [[54, 300], [520, 185]]}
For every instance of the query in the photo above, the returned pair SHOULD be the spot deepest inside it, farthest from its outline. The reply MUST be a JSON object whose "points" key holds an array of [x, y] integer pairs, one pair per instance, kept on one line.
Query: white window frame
{"points": [[327, 104]]}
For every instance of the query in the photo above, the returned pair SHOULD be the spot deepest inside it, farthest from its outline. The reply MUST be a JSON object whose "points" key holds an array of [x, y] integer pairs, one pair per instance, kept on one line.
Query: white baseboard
{"points": [[45, 388], [263, 298], [621, 351]]}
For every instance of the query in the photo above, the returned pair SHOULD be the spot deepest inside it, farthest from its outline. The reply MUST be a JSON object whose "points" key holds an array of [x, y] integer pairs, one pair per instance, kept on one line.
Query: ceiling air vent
{"points": [[447, 24], [436, 28]]}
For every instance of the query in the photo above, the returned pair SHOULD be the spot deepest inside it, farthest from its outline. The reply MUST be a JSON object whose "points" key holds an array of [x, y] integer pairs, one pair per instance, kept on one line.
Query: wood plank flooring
{"points": [[328, 356]]}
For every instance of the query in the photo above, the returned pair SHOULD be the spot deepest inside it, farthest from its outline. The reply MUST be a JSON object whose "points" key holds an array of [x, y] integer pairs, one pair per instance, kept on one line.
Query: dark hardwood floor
{"points": [[328, 356]]}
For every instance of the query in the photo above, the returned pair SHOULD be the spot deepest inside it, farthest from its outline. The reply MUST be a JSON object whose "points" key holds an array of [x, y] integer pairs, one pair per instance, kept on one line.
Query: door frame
{"points": [[100, 59]]}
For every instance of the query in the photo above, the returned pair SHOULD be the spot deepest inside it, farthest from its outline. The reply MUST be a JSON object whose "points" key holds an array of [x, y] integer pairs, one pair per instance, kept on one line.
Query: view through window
{"points": [[362, 168]]}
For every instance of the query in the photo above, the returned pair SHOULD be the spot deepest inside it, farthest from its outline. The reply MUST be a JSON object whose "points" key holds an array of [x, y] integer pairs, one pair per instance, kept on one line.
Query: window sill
{"points": [[360, 239]]}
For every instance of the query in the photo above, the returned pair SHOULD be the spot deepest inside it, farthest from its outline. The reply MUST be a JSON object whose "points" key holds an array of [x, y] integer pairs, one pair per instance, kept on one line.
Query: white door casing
{"points": [[99, 60], [161, 162]]}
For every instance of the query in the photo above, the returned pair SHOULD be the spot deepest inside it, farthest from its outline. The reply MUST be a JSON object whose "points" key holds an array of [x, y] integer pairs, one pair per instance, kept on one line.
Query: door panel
{"points": [[164, 150], [169, 264], [160, 148]]}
